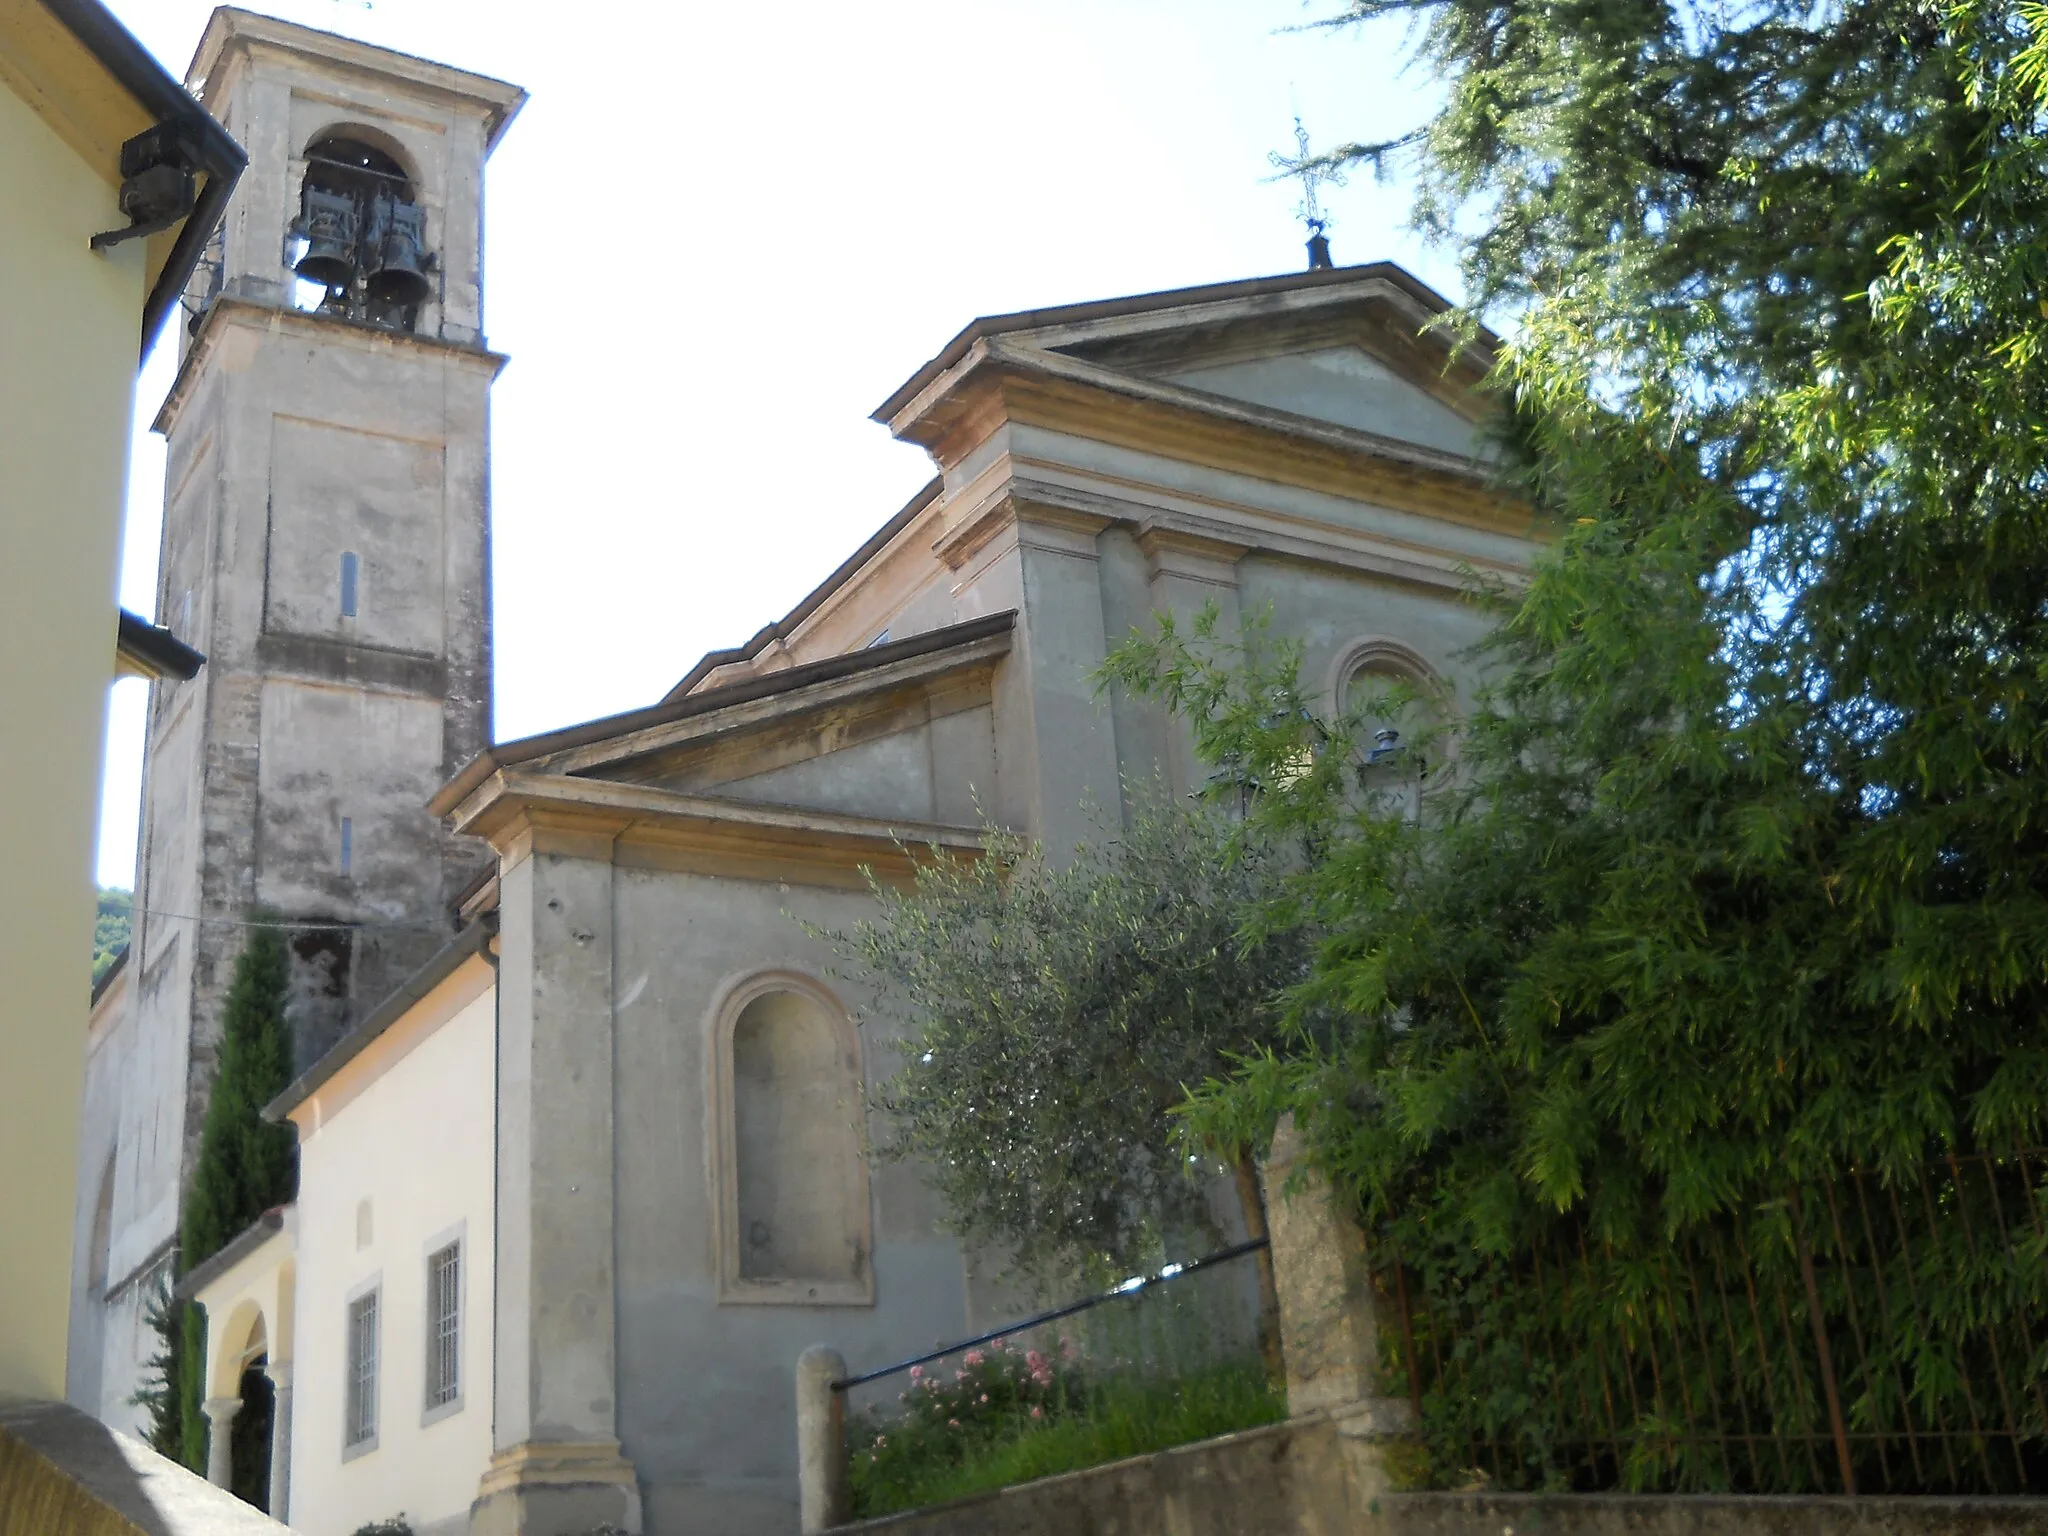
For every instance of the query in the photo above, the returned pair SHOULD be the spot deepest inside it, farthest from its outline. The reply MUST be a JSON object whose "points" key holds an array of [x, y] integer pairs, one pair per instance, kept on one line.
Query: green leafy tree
{"points": [[1057, 1013], [110, 928], [1742, 874], [244, 1168]]}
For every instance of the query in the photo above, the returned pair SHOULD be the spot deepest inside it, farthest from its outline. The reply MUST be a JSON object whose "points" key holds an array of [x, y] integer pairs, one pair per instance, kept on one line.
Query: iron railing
{"points": [[1124, 1292]]}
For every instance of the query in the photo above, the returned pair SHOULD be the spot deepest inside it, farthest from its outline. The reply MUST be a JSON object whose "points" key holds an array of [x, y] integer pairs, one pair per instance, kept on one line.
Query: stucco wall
{"points": [[408, 1127], [706, 1399], [67, 366]]}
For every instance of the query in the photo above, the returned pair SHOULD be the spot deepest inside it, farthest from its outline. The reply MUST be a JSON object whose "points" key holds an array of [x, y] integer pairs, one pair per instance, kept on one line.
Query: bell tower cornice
{"points": [[230, 312], [233, 31]]}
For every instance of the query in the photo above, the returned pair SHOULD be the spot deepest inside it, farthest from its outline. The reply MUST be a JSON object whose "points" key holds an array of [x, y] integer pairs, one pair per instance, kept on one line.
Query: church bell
{"points": [[328, 223], [397, 253]]}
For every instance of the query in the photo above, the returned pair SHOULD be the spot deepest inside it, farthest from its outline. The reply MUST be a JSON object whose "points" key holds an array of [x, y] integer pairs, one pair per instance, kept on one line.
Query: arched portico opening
{"points": [[246, 1294]]}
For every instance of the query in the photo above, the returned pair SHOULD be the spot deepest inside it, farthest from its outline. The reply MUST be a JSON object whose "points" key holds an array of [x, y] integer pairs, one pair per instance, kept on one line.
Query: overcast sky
{"points": [[719, 235]]}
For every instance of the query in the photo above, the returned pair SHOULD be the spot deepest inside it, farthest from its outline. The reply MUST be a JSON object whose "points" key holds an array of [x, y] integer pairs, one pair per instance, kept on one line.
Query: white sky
{"points": [[718, 236]]}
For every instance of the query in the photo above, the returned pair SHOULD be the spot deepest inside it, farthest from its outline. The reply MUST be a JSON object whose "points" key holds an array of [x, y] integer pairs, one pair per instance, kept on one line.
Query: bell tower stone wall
{"points": [[326, 545]]}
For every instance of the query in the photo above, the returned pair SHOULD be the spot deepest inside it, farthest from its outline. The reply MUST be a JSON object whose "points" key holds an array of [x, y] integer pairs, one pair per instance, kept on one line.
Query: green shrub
{"points": [[1008, 1415]]}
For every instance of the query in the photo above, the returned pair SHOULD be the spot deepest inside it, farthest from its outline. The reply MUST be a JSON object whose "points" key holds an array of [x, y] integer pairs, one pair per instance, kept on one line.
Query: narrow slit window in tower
{"points": [[348, 844], [351, 568]]}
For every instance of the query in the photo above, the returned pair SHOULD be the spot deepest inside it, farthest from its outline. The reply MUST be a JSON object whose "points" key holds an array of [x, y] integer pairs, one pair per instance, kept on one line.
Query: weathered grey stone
{"points": [[296, 438], [1328, 1332]]}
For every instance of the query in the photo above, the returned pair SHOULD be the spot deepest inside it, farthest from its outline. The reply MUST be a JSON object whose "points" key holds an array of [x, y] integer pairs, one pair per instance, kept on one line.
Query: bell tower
{"points": [[326, 544]]}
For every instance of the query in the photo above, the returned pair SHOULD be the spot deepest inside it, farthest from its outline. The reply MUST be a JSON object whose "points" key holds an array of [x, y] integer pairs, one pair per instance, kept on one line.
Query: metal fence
{"points": [[1849, 1334], [1158, 1360]]}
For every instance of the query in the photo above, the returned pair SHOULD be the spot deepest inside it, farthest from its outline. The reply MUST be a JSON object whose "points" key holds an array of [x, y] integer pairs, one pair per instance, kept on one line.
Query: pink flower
{"points": [[954, 1422], [917, 1373], [1032, 1358], [984, 1397], [1037, 1413], [973, 1357]]}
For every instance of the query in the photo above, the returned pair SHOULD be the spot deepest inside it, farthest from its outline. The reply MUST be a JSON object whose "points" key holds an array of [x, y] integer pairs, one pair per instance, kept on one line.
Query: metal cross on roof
{"points": [[1312, 174]]}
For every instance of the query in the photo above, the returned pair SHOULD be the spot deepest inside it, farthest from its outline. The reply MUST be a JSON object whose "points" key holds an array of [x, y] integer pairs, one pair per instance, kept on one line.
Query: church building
{"points": [[584, 1155]]}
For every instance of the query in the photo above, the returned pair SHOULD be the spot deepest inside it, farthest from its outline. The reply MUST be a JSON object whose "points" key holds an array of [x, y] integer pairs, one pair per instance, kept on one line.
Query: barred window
{"points": [[444, 1325], [360, 1423]]}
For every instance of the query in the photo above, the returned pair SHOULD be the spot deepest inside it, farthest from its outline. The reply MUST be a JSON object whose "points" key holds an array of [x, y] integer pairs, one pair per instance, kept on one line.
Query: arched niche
{"points": [[1375, 661], [789, 1163], [1360, 676]]}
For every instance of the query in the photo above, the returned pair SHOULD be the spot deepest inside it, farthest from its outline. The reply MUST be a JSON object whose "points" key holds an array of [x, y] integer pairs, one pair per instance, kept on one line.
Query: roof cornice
{"points": [[1180, 307], [638, 825], [231, 27], [508, 754], [227, 306]]}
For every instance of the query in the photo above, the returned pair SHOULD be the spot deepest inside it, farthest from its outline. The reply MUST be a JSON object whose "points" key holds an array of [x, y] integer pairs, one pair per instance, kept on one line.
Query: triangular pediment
{"points": [[1360, 353], [1344, 385], [901, 731]]}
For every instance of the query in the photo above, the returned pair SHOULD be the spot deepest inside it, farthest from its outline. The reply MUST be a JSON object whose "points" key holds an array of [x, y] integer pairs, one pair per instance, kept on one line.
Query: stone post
{"points": [[820, 1440], [1328, 1332], [280, 1374], [220, 1447]]}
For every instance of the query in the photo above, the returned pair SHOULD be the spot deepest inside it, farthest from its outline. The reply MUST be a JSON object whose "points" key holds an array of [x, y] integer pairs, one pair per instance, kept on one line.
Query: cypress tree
{"points": [[245, 1167]]}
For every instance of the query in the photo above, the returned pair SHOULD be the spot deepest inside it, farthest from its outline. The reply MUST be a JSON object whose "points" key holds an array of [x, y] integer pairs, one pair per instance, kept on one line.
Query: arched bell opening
{"points": [[359, 245]]}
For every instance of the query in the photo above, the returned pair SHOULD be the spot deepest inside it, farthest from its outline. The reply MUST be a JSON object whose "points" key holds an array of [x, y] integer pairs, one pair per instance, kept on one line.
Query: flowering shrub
{"points": [[947, 1411], [1007, 1413]]}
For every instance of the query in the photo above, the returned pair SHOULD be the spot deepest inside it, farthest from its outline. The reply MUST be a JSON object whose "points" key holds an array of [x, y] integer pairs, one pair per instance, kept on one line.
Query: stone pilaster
{"points": [[1186, 573], [1055, 737], [557, 1465]]}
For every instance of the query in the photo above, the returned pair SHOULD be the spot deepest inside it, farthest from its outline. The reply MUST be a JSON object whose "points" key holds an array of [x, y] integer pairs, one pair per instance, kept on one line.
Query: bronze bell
{"points": [[398, 253], [328, 221]]}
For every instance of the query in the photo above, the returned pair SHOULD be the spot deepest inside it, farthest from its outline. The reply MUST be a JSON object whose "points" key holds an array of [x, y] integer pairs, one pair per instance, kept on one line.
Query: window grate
{"points": [[444, 1325], [361, 1420]]}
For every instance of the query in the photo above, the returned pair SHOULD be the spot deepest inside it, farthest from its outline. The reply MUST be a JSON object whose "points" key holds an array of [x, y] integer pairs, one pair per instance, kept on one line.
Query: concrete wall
{"points": [[67, 369], [396, 1154], [1306, 1478]]}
